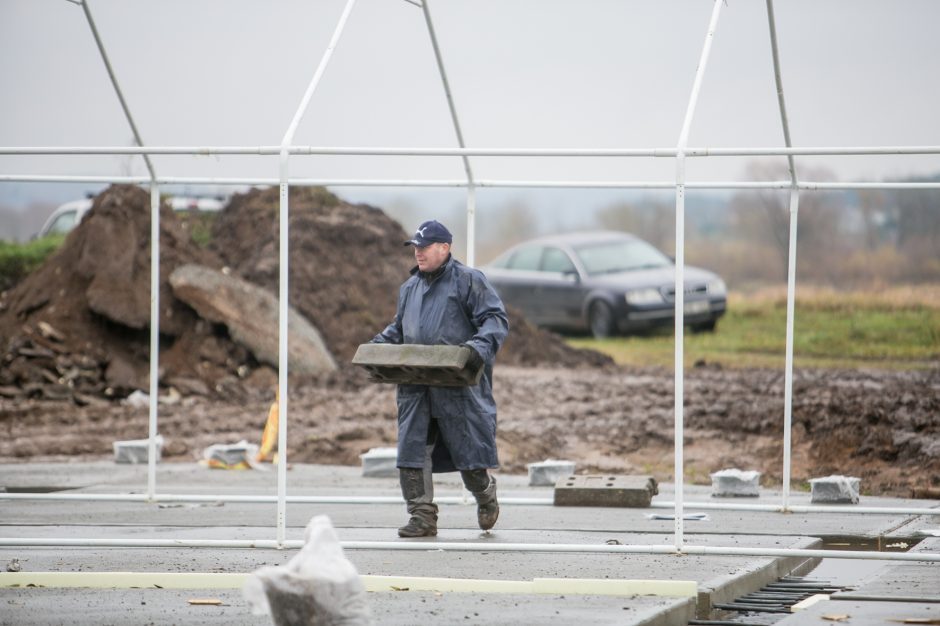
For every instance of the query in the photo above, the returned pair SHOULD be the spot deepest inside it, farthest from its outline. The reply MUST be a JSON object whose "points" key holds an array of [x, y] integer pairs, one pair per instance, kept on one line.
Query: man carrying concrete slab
{"points": [[446, 429]]}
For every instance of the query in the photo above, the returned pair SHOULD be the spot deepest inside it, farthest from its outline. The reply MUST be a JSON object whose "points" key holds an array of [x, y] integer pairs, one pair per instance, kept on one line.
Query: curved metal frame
{"points": [[286, 149]]}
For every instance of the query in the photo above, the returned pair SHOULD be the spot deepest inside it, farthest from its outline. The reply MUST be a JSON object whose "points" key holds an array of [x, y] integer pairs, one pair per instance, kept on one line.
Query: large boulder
{"points": [[251, 315]]}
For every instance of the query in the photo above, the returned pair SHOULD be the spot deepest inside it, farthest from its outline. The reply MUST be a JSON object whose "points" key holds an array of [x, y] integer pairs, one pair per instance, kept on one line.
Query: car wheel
{"points": [[704, 327], [602, 320]]}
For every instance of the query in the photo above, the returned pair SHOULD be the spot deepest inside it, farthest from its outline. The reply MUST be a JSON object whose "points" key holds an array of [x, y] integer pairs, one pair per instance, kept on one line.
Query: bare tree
{"points": [[653, 220], [763, 217]]}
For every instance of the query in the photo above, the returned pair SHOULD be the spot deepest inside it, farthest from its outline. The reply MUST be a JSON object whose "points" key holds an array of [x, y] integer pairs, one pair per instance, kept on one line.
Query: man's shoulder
{"points": [[410, 281], [464, 270]]}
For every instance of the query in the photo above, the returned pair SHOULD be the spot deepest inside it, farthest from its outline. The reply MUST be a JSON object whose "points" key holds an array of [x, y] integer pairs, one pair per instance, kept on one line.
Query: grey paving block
{"points": [[549, 472], [605, 490], [136, 450], [835, 489], [413, 364], [380, 462]]}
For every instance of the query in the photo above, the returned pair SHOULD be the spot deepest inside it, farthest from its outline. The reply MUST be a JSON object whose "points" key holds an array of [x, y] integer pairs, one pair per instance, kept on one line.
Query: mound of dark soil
{"points": [[346, 264], [78, 327]]}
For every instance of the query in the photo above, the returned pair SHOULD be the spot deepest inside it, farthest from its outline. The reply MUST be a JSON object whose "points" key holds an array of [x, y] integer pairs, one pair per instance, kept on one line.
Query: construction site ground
{"points": [[718, 578]]}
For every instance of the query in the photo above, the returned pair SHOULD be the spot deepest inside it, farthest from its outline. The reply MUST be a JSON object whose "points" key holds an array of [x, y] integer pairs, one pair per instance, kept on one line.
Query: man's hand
{"points": [[474, 361]]}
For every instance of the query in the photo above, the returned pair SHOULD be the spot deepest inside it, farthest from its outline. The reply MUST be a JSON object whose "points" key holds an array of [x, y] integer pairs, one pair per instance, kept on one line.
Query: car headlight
{"points": [[716, 287], [649, 295]]}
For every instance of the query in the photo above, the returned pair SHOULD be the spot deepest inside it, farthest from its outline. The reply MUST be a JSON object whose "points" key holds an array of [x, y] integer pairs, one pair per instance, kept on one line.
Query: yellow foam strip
{"points": [[805, 603], [124, 580], [192, 580]]}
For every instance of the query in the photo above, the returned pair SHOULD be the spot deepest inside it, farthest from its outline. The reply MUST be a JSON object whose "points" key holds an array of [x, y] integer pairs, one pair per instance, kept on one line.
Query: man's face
{"points": [[431, 257]]}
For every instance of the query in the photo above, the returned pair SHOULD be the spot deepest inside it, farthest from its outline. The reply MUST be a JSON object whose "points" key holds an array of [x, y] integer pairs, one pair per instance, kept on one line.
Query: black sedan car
{"points": [[605, 282]]}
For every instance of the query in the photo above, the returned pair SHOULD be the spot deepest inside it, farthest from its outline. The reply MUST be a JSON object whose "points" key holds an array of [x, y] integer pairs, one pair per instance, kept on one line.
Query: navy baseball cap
{"points": [[430, 232]]}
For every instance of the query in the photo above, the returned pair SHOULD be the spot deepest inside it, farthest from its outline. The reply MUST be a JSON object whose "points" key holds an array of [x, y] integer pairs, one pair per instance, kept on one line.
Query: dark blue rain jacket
{"points": [[452, 306]]}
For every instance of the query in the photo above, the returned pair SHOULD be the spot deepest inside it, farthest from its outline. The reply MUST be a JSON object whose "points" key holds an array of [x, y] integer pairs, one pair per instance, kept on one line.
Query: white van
{"points": [[70, 214], [65, 218]]}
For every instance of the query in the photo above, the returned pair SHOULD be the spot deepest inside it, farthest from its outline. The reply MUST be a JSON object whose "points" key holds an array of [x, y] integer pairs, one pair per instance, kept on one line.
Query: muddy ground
{"points": [[74, 341], [880, 426]]}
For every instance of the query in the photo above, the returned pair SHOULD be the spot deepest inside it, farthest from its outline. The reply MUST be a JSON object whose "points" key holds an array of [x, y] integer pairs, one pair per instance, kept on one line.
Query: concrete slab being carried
{"points": [[413, 364]]}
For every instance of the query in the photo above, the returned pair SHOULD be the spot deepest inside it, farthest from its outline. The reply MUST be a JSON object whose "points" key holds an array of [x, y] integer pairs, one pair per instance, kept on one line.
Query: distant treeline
{"points": [[846, 239]]}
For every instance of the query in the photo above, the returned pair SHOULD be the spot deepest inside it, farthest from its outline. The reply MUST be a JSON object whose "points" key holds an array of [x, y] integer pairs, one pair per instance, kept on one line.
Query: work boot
{"points": [[418, 492], [418, 527], [483, 488]]}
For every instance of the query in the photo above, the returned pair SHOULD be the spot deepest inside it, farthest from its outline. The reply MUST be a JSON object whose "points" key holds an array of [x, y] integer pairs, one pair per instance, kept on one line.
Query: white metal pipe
{"points": [[483, 152], [491, 183], [680, 269], [154, 338], [679, 340], [425, 6], [282, 372], [423, 546], [788, 365], [471, 197], [791, 261], [116, 85], [459, 500], [284, 293], [471, 225]]}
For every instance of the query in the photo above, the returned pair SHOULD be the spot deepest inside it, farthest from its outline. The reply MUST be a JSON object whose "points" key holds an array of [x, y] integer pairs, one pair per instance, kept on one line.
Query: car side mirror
{"points": [[573, 274]]}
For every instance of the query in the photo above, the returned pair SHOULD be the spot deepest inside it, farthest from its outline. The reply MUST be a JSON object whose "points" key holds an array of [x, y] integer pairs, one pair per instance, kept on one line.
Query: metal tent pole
{"points": [[479, 182], [154, 339], [791, 263], [117, 86], [154, 263], [471, 191], [488, 152], [680, 268], [283, 292]]}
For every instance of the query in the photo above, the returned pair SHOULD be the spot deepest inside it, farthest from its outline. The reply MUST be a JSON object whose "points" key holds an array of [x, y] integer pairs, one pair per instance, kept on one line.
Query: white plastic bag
{"points": [[318, 587]]}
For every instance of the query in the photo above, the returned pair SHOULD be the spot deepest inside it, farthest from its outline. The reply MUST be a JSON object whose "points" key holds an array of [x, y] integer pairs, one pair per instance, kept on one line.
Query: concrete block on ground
{"points": [[549, 472], [380, 463], [735, 483], [835, 489], [239, 455], [606, 490], [136, 450], [413, 364]]}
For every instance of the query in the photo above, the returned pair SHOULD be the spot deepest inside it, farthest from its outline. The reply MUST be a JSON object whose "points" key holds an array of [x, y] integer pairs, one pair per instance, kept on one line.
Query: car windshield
{"points": [[624, 255]]}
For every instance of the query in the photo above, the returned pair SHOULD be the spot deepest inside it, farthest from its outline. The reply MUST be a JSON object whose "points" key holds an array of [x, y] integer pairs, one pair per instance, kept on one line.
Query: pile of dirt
{"points": [[346, 264], [78, 327]]}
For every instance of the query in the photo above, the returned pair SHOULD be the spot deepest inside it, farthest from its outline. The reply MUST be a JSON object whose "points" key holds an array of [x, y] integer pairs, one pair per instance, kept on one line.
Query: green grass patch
{"points": [[829, 331], [199, 225], [17, 260]]}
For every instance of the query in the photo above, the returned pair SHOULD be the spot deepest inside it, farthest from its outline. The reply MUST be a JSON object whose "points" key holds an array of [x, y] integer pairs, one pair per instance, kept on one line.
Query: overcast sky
{"points": [[537, 73]]}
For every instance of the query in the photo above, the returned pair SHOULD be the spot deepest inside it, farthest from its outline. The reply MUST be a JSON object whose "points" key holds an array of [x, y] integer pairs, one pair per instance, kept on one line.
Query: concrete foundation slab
{"points": [[718, 578]]}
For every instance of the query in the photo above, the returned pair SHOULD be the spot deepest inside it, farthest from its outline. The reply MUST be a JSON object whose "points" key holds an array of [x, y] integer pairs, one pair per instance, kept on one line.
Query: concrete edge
{"points": [[679, 614], [725, 589]]}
